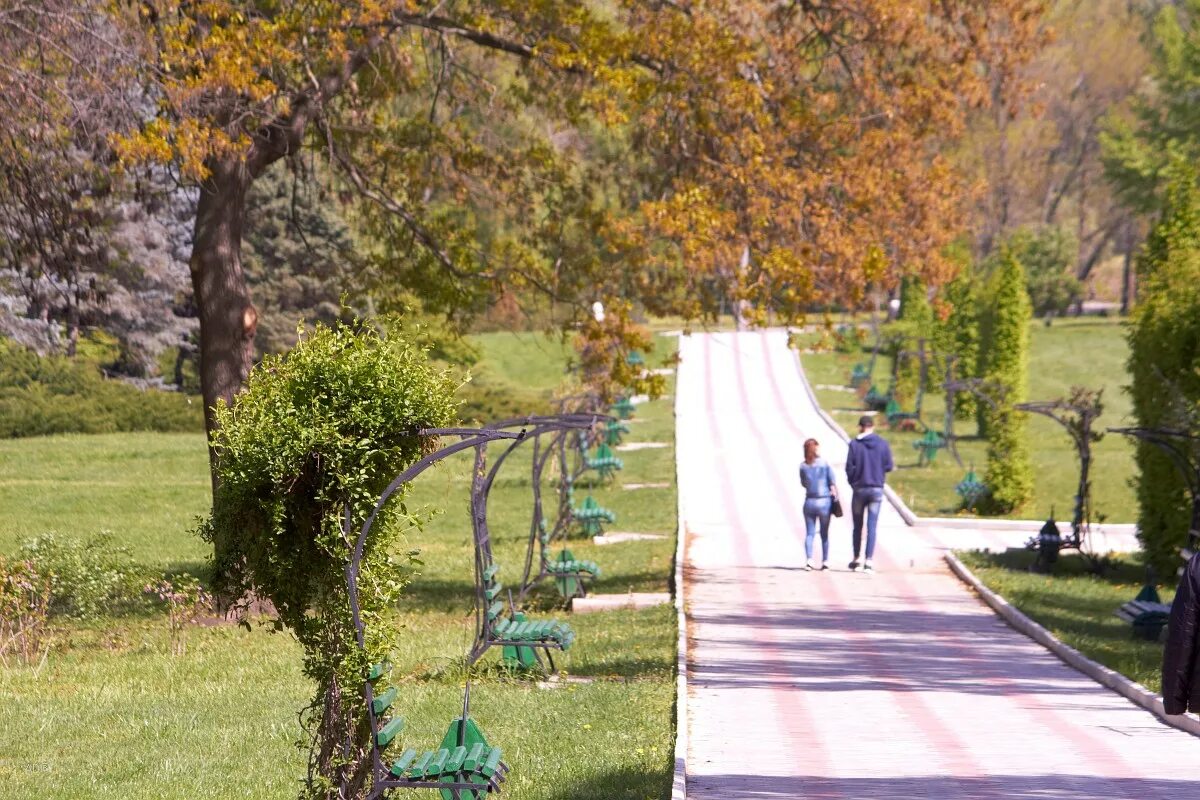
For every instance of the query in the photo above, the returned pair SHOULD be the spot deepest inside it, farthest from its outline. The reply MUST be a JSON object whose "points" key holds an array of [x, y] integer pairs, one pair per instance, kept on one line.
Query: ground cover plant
{"points": [[113, 714], [1087, 351], [1077, 606]]}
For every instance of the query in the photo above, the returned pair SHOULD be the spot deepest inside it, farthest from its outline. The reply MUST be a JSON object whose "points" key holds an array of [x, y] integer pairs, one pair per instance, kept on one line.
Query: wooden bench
{"points": [[520, 637], [614, 432], [604, 462], [859, 375], [623, 408], [463, 767], [1148, 619], [876, 400], [898, 419], [591, 516], [927, 447], [635, 359], [571, 576]]}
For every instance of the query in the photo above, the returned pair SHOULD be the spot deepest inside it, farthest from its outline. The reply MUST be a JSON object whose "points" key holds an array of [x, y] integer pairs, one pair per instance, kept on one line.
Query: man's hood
{"points": [[870, 441]]}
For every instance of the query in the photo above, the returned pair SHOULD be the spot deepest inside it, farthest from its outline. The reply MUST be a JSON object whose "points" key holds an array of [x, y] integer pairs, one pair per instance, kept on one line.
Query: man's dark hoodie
{"points": [[869, 460]]}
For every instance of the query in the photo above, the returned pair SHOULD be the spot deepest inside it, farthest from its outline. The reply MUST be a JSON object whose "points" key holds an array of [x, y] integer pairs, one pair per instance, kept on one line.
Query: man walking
{"points": [[870, 459]]}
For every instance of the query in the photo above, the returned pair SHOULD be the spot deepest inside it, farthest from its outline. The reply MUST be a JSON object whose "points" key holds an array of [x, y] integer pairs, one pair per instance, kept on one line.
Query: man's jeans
{"points": [[867, 499]]}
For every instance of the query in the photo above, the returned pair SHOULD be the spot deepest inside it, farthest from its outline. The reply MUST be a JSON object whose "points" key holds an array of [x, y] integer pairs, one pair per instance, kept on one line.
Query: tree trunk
{"points": [[227, 317]]}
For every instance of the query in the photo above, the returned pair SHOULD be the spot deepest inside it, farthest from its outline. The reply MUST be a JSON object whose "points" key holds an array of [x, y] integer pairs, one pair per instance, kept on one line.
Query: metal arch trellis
{"points": [[1183, 449], [1077, 415], [515, 431]]}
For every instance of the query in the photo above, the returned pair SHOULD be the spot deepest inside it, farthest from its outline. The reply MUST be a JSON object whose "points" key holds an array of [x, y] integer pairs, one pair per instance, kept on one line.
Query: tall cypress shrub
{"points": [[1009, 475], [1164, 355], [958, 336]]}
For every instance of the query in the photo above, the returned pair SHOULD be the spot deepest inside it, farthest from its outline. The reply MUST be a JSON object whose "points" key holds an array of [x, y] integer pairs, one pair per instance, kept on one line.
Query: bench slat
{"points": [[493, 761], [384, 701], [474, 756], [401, 763], [389, 732]]}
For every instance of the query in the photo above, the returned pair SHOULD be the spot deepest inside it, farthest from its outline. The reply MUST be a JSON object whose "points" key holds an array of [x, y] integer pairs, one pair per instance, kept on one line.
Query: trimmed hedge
{"points": [[42, 395]]}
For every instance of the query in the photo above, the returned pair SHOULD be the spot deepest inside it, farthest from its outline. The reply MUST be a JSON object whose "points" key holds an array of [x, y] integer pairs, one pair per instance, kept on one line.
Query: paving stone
{"points": [[837, 684], [616, 537], [608, 602]]}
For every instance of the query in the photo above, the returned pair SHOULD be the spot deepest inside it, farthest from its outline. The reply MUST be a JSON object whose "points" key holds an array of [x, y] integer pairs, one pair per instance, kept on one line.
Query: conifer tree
{"points": [[1164, 353], [958, 336], [1009, 475], [915, 323]]}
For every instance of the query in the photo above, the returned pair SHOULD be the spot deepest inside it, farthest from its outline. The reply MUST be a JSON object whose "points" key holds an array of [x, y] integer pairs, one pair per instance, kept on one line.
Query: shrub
{"points": [[915, 323], [185, 600], [326, 427], [959, 335], [24, 611], [1164, 353], [41, 395], [1009, 475], [89, 577]]}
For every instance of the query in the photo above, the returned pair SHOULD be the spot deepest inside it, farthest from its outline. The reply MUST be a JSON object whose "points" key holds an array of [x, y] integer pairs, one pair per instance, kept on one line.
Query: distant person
{"points": [[820, 490], [868, 463]]}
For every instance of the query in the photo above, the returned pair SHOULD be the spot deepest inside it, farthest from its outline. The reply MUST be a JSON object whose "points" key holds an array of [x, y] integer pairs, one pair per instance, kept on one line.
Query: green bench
{"points": [[571, 575], [604, 462], [623, 408], [971, 490], [463, 767], [899, 419], [876, 400], [1146, 613], [927, 447], [614, 432], [635, 359], [591, 516], [519, 636], [859, 375]]}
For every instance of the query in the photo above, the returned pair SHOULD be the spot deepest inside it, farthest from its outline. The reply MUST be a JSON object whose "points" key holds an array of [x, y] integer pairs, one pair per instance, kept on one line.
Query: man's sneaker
{"points": [[854, 564], [824, 566], [810, 566], [867, 567]]}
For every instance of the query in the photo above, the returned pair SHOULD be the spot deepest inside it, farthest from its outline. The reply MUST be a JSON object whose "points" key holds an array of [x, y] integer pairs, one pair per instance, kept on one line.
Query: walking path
{"points": [[843, 685]]}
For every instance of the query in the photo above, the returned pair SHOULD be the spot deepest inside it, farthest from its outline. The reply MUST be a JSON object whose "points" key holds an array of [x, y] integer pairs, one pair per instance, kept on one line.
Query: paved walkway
{"points": [[843, 685]]}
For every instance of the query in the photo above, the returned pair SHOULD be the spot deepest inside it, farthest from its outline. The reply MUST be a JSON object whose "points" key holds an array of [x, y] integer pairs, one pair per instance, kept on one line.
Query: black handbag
{"points": [[835, 507]]}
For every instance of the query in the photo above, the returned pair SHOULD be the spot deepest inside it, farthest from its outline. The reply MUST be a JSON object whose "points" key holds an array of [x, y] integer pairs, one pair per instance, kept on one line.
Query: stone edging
{"points": [[679, 779], [1132, 691], [902, 509]]}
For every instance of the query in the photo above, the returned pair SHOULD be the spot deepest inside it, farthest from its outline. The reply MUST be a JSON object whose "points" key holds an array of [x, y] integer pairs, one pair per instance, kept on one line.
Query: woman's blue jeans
{"points": [[816, 510], [867, 499]]}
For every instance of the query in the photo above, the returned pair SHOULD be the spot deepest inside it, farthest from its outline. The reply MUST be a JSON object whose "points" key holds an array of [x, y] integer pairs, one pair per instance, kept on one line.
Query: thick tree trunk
{"points": [[227, 317]]}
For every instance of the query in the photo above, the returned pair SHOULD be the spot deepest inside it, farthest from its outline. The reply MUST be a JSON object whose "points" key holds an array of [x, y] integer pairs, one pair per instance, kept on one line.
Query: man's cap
{"points": [[866, 421]]}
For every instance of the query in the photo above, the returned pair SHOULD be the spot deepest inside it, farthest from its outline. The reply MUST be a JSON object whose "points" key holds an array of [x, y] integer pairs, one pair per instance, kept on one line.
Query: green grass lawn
{"points": [[110, 714], [1085, 351], [1078, 607]]}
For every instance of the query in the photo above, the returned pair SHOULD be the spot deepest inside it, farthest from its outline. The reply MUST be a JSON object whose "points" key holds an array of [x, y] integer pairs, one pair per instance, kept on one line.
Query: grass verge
{"points": [[1078, 607]]}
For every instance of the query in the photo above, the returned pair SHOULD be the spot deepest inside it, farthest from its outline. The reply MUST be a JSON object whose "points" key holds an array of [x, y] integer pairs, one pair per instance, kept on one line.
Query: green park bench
{"points": [[604, 461], [971, 490], [571, 576], [614, 432], [899, 419], [520, 637], [860, 374], [927, 447], [876, 400], [1146, 613], [623, 408], [463, 767], [591, 516], [635, 359]]}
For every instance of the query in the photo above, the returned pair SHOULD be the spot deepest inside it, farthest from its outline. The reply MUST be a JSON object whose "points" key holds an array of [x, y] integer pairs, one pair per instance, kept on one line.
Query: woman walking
{"points": [[820, 491]]}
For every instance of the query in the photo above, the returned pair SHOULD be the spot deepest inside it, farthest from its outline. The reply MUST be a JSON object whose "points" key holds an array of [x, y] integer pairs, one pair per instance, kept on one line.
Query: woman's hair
{"points": [[810, 450]]}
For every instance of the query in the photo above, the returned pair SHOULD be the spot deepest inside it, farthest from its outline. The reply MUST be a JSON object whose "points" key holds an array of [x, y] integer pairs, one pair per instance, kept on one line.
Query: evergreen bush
{"points": [[1009, 474], [1164, 354], [959, 336], [914, 323], [327, 426]]}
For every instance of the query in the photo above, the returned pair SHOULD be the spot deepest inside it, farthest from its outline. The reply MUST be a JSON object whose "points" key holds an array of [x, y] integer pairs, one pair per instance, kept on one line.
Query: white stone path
{"points": [[841, 685]]}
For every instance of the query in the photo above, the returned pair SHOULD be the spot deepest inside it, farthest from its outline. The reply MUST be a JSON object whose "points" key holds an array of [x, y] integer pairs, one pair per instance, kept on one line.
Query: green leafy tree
{"points": [[1165, 123], [1009, 475], [1164, 357], [319, 431], [1048, 255]]}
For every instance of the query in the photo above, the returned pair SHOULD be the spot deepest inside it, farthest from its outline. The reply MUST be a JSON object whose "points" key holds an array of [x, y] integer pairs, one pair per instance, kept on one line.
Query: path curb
{"points": [[903, 510], [1132, 691], [679, 779]]}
